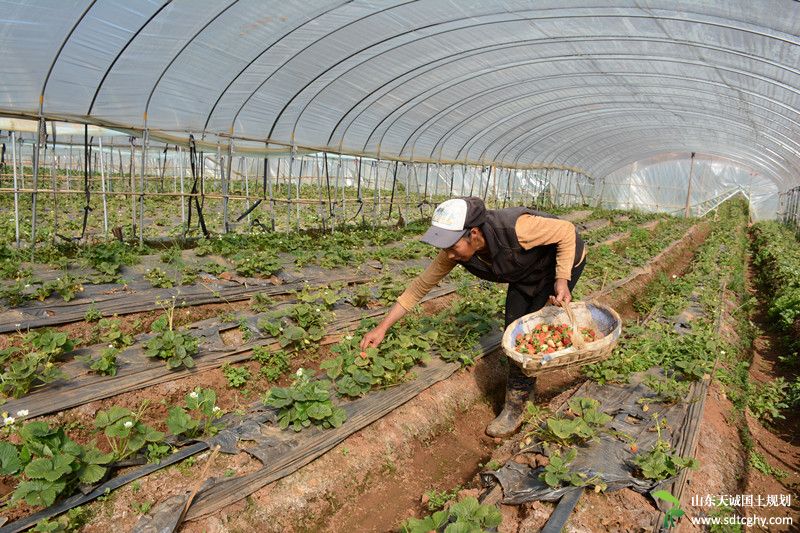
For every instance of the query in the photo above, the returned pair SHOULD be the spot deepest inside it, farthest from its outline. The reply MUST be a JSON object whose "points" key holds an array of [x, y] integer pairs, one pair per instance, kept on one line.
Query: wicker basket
{"points": [[596, 316]]}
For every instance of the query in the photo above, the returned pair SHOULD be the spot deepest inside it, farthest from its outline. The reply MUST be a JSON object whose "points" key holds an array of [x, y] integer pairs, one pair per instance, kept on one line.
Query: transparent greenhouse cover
{"points": [[593, 86]]}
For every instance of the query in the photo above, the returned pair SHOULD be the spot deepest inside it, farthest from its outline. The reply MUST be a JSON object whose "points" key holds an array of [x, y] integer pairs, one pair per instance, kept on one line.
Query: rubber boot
{"points": [[519, 388]]}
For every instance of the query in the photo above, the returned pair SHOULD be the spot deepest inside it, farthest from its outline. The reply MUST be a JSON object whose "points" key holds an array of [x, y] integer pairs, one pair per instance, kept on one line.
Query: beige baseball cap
{"points": [[452, 219]]}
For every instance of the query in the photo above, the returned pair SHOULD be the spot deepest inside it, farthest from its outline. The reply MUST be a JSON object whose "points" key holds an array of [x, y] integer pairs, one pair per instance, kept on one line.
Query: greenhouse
{"points": [[399, 265]]}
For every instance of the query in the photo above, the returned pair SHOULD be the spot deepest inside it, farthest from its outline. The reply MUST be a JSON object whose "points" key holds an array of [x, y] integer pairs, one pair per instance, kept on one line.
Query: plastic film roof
{"points": [[593, 85]]}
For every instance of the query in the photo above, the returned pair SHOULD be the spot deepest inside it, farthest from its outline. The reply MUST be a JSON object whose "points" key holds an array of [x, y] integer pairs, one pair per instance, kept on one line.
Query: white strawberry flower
{"points": [[9, 420], [22, 413], [128, 424], [216, 409], [299, 372], [193, 395]]}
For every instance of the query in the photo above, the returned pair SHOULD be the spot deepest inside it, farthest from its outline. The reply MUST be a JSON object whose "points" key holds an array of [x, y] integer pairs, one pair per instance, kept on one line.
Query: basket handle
{"points": [[577, 337]]}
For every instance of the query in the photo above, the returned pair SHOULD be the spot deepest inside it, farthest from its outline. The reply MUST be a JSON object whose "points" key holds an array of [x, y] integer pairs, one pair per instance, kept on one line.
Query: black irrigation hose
{"points": [[394, 182], [198, 205], [105, 488], [249, 210], [87, 163], [163, 169], [562, 511]]}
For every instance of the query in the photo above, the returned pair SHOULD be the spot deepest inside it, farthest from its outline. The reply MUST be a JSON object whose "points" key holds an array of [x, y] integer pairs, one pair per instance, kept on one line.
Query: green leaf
{"points": [[38, 492], [9, 459], [49, 469], [92, 473]]}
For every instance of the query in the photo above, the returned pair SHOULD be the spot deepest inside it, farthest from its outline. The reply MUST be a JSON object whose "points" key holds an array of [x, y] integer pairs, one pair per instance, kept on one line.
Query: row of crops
{"points": [[289, 350], [687, 350]]}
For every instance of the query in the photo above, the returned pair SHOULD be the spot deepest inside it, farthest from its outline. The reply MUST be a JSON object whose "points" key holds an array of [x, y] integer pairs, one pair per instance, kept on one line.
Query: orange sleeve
{"points": [[534, 231], [422, 284]]}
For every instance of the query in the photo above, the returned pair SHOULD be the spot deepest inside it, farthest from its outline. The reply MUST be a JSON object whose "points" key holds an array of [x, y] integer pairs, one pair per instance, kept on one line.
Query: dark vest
{"points": [[529, 270]]}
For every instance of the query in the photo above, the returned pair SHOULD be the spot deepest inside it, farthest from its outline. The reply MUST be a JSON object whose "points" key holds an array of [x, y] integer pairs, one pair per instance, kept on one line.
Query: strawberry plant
{"points": [[305, 403], [108, 331], [355, 372], [19, 374], [105, 364], [256, 263], [438, 499], [236, 376], [176, 347], [107, 258], [767, 400], [51, 464], [171, 256], [125, 432], [189, 275], [273, 363], [15, 294], [557, 473], [362, 295], [468, 515], [66, 286], [261, 302], [667, 389], [660, 463], [292, 336], [158, 278], [215, 269], [92, 314], [389, 288], [201, 403], [581, 423]]}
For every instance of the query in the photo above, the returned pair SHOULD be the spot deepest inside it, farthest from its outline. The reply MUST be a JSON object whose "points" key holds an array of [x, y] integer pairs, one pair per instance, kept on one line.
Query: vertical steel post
{"points": [[141, 184], [103, 189], [689, 187], [226, 184], [181, 172], [53, 181], [37, 145], [133, 188], [16, 185]]}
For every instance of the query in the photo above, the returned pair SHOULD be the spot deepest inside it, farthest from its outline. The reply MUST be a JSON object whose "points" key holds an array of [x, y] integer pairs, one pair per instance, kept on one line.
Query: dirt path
{"points": [[779, 442]]}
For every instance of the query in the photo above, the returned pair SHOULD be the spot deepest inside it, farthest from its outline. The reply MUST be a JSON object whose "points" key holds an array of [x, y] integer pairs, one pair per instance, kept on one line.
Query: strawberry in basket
{"points": [[549, 338]]}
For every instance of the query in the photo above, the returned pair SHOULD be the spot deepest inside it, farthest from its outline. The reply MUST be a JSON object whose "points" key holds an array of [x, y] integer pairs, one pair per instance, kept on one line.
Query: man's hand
{"points": [[373, 338], [562, 295]]}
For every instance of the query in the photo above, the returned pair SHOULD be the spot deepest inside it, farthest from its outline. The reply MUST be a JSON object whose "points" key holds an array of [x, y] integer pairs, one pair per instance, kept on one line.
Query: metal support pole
{"points": [[226, 183], [54, 182], [133, 188], [269, 186], [376, 196], [297, 195], [394, 183], [488, 180], [181, 173], [289, 191], [16, 186], [141, 184], [103, 189], [69, 168], [689, 187], [37, 145], [244, 166]]}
